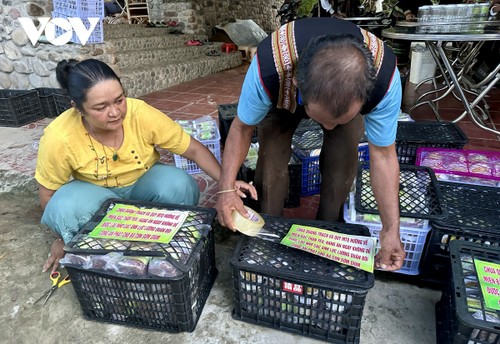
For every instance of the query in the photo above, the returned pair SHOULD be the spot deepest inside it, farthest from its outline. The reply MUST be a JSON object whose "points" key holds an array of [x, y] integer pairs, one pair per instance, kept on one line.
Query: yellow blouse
{"points": [[67, 150]]}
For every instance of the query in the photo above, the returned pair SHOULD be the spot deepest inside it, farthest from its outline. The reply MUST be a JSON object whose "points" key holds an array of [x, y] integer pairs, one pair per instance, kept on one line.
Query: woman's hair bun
{"points": [[62, 71]]}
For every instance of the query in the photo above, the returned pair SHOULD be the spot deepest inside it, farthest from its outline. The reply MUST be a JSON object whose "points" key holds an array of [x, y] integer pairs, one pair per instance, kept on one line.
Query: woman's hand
{"points": [[56, 254], [243, 188]]}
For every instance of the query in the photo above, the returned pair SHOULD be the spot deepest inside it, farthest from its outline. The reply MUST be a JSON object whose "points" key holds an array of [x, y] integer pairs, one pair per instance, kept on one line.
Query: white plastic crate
{"points": [[97, 35], [413, 233], [79, 8], [205, 130]]}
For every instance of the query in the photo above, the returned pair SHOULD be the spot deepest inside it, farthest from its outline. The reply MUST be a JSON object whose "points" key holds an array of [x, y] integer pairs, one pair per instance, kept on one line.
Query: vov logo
{"points": [[49, 26]]}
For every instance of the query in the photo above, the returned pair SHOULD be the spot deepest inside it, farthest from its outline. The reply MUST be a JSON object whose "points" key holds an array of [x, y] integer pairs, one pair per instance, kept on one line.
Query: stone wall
{"points": [[24, 66], [201, 16], [157, 9]]}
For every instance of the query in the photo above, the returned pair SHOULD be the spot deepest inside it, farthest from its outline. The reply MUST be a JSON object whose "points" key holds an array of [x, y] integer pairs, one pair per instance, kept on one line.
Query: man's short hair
{"points": [[335, 70]]}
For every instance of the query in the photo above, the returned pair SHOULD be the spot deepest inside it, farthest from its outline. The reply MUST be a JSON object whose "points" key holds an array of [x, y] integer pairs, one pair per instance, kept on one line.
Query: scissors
{"points": [[56, 284]]}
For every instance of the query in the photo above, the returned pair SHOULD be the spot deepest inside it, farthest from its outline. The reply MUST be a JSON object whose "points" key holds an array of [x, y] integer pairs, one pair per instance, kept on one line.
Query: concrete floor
{"points": [[395, 311]]}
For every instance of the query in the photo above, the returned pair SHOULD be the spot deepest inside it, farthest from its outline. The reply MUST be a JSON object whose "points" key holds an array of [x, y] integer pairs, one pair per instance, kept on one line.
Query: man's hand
{"points": [[226, 203], [56, 254], [391, 254]]}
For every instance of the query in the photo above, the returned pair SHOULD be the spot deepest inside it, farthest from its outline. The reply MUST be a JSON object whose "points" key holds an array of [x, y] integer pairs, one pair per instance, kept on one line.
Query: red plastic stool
{"points": [[228, 47]]}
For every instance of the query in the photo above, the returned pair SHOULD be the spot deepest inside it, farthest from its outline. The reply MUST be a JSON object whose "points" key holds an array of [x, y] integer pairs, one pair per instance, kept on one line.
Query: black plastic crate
{"points": [[53, 101], [419, 195], [473, 215], [472, 322], [446, 315], [412, 135], [443, 321], [19, 107], [294, 173], [227, 112], [171, 303], [62, 101], [197, 224], [294, 291]]}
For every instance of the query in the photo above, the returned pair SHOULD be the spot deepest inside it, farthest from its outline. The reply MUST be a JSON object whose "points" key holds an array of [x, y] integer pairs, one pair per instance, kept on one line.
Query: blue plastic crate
{"points": [[311, 176], [363, 152], [79, 8], [97, 35]]}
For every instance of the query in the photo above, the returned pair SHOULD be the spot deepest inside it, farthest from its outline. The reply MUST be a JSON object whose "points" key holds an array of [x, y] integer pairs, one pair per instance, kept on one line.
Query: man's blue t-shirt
{"points": [[380, 123]]}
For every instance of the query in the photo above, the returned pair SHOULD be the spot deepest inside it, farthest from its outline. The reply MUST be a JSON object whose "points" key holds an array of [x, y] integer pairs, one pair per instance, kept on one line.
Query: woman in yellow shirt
{"points": [[104, 147]]}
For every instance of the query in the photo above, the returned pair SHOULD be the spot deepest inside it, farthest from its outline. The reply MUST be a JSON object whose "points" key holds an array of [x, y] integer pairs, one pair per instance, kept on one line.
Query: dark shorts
{"points": [[338, 162]]}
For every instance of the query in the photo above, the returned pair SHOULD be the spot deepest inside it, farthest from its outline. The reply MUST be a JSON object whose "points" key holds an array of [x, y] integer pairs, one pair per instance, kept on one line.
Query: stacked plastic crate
{"points": [[82, 9], [462, 314], [473, 215], [294, 291], [307, 142], [159, 286], [19, 107], [420, 200], [53, 101], [413, 135], [205, 130]]}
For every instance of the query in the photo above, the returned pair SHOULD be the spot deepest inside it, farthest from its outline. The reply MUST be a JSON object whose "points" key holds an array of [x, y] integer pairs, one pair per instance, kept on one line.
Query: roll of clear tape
{"points": [[251, 225]]}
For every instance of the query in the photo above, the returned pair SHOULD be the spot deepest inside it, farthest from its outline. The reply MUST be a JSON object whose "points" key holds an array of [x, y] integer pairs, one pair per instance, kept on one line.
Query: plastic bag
{"points": [[131, 266], [162, 268]]}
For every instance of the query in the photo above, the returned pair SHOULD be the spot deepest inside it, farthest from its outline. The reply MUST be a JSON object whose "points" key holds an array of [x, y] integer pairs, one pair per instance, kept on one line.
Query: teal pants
{"points": [[76, 202]]}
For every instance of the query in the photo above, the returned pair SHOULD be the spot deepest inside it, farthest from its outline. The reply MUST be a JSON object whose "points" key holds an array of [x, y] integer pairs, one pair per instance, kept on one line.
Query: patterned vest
{"points": [[278, 54]]}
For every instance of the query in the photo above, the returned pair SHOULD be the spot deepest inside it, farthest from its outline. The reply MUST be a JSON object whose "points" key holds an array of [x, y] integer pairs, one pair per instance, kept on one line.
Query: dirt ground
{"points": [[395, 312]]}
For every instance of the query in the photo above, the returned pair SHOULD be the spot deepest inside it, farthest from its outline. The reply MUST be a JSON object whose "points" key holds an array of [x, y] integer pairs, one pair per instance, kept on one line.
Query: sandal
{"points": [[213, 52], [193, 42]]}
